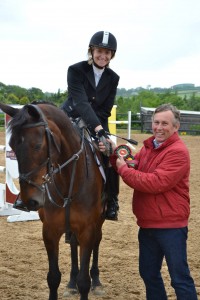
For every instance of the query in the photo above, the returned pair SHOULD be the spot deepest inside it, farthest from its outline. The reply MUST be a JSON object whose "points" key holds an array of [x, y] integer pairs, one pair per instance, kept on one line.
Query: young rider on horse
{"points": [[92, 88]]}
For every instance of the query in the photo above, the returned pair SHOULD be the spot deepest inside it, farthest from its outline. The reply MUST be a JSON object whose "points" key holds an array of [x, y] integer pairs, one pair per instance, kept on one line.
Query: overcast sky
{"points": [[158, 40]]}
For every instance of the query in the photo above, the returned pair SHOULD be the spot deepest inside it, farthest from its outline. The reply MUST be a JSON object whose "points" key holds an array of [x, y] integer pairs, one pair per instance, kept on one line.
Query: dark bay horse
{"points": [[59, 177]]}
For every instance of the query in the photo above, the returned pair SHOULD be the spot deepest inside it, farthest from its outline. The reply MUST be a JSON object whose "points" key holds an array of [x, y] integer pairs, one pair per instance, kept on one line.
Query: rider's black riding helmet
{"points": [[104, 39]]}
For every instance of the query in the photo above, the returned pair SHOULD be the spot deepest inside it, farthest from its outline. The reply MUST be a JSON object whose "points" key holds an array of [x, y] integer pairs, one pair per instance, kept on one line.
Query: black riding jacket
{"points": [[86, 100]]}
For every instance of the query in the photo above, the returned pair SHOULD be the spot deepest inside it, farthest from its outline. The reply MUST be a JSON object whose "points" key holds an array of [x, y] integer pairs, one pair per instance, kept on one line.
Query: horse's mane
{"points": [[36, 102]]}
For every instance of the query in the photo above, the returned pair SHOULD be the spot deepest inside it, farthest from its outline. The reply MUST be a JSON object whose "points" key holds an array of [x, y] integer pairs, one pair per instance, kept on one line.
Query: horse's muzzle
{"points": [[32, 205], [19, 204]]}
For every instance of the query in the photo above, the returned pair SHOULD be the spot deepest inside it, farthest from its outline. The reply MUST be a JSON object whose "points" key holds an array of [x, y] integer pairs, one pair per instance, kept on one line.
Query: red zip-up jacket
{"points": [[161, 184]]}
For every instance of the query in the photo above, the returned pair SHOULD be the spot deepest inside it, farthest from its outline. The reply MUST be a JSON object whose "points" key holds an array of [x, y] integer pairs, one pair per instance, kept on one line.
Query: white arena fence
{"points": [[112, 120], [8, 189], [113, 128]]}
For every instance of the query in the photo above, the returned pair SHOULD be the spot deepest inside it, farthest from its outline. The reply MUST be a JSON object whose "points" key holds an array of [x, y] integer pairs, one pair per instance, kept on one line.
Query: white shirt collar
{"points": [[97, 74], [156, 144]]}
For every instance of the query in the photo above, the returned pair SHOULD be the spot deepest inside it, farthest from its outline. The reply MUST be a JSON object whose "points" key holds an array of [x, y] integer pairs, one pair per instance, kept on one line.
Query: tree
{"points": [[24, 100], [12, 99], [148, 99], [35, 94], [194, 103]]}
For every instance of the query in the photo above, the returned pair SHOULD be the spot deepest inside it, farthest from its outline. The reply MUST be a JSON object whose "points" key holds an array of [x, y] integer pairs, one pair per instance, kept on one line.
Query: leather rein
{"points": [[51, 170]]}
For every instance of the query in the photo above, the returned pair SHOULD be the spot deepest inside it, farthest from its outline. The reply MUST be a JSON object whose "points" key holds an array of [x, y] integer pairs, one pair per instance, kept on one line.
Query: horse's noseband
{"points": [[27, 177]]}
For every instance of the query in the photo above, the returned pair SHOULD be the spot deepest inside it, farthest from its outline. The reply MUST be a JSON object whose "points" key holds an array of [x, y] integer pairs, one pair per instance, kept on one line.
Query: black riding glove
{"points": [[102, 136]]}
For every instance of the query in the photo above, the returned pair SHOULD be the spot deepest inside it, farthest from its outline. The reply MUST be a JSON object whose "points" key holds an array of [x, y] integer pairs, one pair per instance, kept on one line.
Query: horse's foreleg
{"points": [[94, 271], [72, 286], [97, 287], [83, 279], [53, 277], [51, 242]]}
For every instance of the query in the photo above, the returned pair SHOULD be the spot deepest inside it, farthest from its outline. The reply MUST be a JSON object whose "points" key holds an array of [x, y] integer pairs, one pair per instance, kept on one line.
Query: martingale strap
{"points": [[67, 203], [68, 232]]}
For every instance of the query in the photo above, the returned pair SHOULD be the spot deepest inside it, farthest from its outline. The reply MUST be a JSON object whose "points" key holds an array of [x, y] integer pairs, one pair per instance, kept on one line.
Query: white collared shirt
{"points": [[156, 144], [97, 74]]}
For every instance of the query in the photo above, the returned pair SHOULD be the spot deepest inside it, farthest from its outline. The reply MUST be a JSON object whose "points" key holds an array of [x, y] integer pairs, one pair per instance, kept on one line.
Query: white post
{"points": [[129, 124]]}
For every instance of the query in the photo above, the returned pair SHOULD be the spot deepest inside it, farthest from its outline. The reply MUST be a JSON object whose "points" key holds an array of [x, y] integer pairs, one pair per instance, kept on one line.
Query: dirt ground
{"points": [[23, 259]]}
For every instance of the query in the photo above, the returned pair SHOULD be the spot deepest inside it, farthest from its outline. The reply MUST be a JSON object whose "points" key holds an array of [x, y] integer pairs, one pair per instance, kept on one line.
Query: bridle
{"points": [[51, 170]]}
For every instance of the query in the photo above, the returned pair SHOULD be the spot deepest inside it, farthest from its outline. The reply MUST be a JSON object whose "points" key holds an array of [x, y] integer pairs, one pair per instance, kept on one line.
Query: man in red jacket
{"points": [[161, 204]]}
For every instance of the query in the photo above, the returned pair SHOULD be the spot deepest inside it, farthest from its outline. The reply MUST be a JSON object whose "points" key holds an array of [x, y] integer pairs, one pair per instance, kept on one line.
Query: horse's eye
{"points": [[37, 147]]}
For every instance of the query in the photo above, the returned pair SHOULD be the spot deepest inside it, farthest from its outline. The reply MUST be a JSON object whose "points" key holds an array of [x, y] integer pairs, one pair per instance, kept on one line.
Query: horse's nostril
{"points": [[33, 204], [19, 204]]}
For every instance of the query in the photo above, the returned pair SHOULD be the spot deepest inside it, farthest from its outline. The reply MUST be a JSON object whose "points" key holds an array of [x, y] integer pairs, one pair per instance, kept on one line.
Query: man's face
{"points": [[163, 125]]}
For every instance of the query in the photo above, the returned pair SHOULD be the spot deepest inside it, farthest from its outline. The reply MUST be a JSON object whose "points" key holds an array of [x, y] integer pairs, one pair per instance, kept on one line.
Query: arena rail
{"points": [[113, 129]]}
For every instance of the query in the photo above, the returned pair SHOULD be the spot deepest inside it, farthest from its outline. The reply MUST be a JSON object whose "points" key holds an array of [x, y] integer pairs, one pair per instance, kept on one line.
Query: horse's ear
{"points": [[9, 110], [33, 111]]}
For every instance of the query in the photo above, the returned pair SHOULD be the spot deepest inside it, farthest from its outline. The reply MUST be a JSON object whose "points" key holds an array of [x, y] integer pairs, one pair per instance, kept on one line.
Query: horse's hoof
{"points": [[70, 292], [98, 290]]}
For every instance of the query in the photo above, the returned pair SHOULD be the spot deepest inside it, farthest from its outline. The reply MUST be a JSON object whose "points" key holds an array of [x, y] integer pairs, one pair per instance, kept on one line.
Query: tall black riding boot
{"points": [[112, 190]]}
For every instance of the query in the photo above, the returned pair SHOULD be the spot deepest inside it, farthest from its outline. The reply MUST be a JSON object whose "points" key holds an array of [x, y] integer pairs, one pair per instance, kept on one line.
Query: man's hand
{"points": [[120, 162]]}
